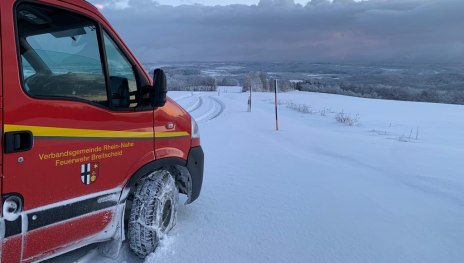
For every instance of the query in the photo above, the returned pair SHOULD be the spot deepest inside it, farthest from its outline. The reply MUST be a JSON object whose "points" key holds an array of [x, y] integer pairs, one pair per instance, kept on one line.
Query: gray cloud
{"points": [[280, 30]]}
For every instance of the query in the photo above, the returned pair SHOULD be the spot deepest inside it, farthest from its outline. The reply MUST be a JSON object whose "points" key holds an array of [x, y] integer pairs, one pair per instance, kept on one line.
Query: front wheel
{"points": [[153, 213]]}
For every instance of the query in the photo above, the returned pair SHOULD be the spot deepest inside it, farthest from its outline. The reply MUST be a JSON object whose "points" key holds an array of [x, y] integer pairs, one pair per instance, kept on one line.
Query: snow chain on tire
{"points": [[155, 200]]}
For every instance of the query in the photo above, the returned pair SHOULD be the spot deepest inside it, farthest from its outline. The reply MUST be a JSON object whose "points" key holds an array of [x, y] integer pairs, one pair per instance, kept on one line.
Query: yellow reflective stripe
{"points": [[84, 133], [40, 131]]}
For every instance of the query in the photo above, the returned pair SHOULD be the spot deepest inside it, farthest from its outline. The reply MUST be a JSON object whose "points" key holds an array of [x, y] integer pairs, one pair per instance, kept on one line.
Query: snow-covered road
{"points": [[390, 189]]}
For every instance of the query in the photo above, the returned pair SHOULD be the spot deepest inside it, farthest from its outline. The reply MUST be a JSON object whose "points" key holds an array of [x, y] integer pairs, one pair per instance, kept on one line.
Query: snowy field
{"points": [[390, 188]]}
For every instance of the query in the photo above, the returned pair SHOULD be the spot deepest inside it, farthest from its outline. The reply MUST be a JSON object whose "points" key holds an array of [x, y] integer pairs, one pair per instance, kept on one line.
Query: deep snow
{"points": [[390, 189]]}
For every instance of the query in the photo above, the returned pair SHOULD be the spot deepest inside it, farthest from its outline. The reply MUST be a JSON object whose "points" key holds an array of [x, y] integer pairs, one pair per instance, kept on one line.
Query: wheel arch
{"points": [[176, 166], [148, 168]]}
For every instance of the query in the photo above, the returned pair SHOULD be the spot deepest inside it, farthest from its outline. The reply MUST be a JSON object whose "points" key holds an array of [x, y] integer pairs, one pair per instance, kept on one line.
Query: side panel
{"points": [[172, 119], [10, 250], [68, 134], [78, 149], [60, 235], [1, 110]]}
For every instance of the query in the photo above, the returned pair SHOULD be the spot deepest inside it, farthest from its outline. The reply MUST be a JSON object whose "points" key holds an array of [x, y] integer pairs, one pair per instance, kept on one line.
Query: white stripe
{"points": [[74, 200]]}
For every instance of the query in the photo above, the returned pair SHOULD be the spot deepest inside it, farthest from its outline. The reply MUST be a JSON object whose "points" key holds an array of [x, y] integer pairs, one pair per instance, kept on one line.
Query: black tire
{"points": [[153, 213]]}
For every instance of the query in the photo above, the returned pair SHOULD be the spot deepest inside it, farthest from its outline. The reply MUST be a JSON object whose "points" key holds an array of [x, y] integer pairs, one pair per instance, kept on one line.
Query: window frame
{"points": [[100, 29]]}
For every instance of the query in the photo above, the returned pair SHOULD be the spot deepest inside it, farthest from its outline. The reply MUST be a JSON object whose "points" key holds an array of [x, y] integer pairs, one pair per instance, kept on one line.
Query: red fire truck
{"points": [[93, 150]]}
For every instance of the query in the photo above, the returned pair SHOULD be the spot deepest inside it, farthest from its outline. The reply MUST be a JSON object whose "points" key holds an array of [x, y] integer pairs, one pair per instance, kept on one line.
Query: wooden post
{"points": [[276, 105], [251, 86]]}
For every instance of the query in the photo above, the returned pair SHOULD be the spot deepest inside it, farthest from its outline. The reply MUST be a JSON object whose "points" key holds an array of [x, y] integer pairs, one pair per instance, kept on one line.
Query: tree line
{"points": [[382, 91], [196, 80]]}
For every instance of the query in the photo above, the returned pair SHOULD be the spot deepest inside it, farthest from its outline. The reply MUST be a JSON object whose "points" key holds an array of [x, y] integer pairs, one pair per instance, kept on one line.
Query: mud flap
{"points": [[195, 165]]}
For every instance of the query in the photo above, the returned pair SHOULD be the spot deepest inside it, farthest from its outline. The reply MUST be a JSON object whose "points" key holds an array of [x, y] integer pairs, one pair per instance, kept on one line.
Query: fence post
{"points": [[249, 101], [276, 105]]}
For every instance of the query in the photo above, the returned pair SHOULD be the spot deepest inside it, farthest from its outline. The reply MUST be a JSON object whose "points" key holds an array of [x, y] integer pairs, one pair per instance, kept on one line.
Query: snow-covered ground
{"points": [[389, 189]]}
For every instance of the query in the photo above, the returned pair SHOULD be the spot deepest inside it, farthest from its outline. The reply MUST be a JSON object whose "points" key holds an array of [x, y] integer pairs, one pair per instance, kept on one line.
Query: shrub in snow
{"points": [[324, 112], [303, 108], [413, 136], [347, 119]]}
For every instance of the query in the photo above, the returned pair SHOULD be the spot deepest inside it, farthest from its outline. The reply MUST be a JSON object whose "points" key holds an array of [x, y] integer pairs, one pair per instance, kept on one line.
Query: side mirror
{"points": [[160, 88]]}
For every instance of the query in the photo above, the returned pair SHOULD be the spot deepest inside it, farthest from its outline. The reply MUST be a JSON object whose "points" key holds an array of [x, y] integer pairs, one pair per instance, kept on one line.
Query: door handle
{"points": [[18, 141]]}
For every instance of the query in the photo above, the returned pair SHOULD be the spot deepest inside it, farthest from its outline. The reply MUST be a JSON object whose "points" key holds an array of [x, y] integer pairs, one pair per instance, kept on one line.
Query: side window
{"points": [[123, 82], [60, 54]]}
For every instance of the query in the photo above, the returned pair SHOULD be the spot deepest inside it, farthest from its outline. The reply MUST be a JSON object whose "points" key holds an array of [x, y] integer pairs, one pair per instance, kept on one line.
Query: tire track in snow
{"points": [[222, 107], [215, 109], [198, 103]]}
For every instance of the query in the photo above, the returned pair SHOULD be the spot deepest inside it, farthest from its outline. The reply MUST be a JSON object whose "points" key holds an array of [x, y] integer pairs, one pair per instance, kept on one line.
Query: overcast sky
{"points": [[342, 31], [123, 3]]}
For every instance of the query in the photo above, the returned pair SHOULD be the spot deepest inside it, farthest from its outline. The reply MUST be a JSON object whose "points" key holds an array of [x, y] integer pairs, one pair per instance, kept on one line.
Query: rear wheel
{"points": [[153, 213]]}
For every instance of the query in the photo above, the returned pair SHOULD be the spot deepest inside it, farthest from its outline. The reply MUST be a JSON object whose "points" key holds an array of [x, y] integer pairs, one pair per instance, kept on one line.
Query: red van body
{"points": [[68, 165]]}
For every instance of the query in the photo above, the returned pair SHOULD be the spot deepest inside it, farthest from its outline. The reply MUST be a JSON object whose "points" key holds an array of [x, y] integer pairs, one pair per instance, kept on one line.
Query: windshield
{"points": [[77, 54]]}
